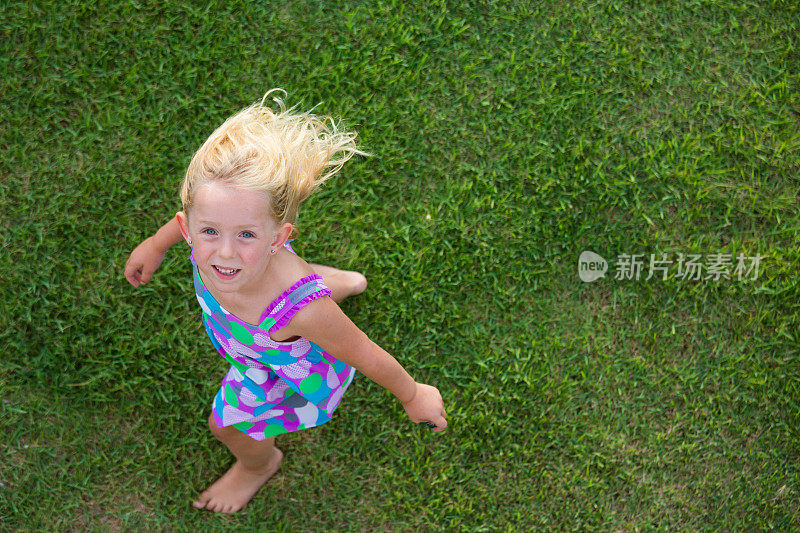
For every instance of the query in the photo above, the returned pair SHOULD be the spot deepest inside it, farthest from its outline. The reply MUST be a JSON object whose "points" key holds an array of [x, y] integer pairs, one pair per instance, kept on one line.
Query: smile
{"points": [[226, 272]]}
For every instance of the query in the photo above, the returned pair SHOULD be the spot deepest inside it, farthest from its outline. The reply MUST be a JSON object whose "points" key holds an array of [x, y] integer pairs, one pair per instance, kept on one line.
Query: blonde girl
{"points": [[270, 314]]}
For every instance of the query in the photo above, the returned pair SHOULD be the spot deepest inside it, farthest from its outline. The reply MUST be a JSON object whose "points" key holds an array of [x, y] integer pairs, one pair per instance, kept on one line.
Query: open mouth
{"points": [[226, 273]]}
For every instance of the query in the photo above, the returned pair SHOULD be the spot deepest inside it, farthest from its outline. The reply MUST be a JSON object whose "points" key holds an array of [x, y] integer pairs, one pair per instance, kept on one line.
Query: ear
{"points": [[284, 231], [183, 223]]}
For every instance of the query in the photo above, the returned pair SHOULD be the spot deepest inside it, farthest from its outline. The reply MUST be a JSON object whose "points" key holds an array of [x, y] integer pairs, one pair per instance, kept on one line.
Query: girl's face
{"points": [[232, 236]]}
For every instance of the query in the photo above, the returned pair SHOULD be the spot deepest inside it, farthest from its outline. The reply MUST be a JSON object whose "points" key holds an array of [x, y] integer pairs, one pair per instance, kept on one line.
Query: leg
{"points": [[342, 283], [256, 461]]}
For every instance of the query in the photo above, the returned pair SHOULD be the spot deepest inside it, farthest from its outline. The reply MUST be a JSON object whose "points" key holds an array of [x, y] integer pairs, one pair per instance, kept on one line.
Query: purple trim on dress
{"points": [[286, 293], [293, 310]]}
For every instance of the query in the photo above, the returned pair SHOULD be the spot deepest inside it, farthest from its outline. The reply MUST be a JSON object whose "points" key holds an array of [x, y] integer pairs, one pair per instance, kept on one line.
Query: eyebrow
{"points": [[209, 223]]}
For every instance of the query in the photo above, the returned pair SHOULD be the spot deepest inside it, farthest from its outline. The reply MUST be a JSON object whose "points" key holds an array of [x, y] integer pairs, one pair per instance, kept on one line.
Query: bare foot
{"points": [[355, 281], [342, 283], [236, 487]]}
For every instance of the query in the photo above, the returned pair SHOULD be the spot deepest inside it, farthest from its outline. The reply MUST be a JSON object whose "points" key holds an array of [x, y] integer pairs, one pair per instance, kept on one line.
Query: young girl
{"points": [[271, 315]]}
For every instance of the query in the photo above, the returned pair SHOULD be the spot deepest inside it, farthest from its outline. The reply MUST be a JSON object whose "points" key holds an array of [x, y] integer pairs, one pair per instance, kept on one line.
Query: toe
{"points": [[200, 502]]}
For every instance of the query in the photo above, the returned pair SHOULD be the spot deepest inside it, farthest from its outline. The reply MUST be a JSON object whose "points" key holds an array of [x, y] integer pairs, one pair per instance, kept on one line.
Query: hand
{"points": [[144, 260], [426, 406]]}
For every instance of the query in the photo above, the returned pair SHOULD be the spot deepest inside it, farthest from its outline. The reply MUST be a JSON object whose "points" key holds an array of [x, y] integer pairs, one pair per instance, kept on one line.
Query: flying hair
{"points": [[284, 154]]}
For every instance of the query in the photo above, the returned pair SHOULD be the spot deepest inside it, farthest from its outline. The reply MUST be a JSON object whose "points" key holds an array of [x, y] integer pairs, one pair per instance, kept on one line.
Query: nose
{"points": [[226, 250]]}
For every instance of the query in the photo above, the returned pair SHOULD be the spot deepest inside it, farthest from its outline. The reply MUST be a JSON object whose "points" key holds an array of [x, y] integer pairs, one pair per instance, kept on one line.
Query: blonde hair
{"points": [[283, 154]]}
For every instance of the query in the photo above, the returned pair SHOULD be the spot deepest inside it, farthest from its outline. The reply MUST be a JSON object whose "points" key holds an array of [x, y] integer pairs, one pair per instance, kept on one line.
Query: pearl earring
{"points": [[190, 242]]}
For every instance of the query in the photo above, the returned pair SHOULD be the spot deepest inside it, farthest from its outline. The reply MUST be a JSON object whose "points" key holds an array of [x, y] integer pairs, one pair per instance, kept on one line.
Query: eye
{"points": [[247, 235], [209, 231]]}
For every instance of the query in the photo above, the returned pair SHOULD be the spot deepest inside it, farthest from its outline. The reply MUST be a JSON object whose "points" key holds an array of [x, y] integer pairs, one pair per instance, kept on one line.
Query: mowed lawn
{"points": [[509, 137]]}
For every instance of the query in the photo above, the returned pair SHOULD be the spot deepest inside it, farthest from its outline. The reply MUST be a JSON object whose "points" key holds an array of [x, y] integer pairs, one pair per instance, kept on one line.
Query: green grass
{"points": [[509, 137]]}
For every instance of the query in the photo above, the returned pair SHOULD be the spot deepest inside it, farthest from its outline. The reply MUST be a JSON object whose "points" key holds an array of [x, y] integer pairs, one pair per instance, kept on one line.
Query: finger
{"points": [[132, 278], [146, 274], [131, 268], [441, 424]]}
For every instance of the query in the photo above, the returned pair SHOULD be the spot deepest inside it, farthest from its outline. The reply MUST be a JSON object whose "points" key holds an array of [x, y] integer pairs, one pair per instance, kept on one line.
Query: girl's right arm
{"points": [[146, 258]]}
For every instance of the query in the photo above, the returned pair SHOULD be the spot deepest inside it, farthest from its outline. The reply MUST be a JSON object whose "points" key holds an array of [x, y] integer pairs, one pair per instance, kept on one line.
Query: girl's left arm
{"points": [[323, 323]]}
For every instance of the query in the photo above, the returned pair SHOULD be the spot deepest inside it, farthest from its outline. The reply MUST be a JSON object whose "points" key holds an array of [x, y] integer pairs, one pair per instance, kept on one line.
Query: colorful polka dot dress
{"points": [[272, 387]]}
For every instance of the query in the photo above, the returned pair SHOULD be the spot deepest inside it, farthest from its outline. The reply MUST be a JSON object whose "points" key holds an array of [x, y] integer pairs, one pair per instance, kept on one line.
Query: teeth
{"points": [[227, 271]]}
